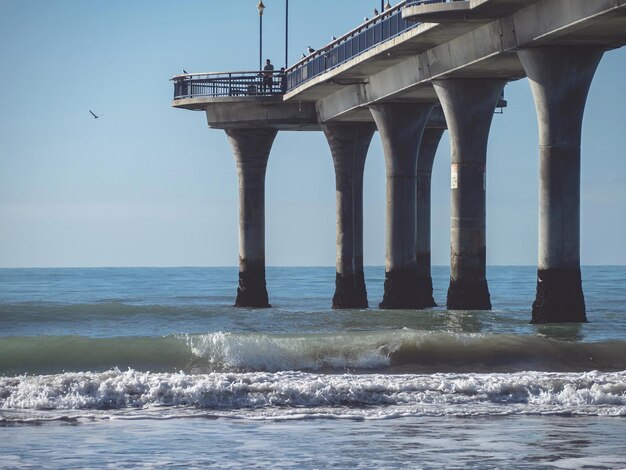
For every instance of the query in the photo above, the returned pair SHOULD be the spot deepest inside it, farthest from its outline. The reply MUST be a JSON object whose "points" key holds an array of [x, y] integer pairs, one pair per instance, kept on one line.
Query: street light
{"points": [[260, 7], [286, 33]]}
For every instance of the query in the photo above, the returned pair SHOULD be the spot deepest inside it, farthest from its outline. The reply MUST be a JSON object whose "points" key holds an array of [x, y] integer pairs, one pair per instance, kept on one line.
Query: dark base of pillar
{"points": [[252, 291], [405, 289], [425, 290], [350, 291], [560, 297], [468, 295]]}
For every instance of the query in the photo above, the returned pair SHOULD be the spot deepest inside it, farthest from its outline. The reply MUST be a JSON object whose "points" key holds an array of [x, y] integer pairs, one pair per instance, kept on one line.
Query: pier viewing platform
{"points": [[411, 72]]}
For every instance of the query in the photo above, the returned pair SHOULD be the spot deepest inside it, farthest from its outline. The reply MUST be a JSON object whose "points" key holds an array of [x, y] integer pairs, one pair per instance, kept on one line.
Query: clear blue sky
{"points": [[149, 185]]}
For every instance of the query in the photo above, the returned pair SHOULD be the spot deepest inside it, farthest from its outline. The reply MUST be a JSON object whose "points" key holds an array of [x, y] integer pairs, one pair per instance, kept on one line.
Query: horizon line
{"points": [[270, 266]]}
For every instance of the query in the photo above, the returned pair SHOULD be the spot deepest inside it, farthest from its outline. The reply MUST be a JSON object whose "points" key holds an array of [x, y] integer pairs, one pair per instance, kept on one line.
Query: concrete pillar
{"points": [[425, 159], [469, 105], [560, 77], [251, 149], [349, 143], [400, 126]]}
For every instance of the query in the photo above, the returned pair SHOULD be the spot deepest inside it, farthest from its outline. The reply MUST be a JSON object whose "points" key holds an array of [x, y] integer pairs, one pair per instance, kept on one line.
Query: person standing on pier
{"points": [[283, 80], [268, 72]]}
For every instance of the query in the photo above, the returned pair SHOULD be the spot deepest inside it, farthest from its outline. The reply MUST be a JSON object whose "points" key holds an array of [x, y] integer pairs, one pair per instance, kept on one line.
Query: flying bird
{"points": [[310, 49], [95, 116], [184, 71]]}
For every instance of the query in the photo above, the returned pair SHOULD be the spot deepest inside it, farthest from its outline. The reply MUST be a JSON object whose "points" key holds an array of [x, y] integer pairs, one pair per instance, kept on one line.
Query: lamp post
{"points": [[260, 7], [286, 33]]}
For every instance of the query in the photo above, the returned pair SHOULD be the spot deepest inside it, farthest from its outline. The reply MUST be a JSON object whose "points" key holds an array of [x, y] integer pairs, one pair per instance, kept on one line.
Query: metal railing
{"points": [[219, 84], [415, 3], [369, 34]]}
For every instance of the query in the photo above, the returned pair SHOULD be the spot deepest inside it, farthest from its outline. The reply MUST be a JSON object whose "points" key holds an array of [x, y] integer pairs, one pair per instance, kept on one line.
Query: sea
{"points": [[155, 368]]}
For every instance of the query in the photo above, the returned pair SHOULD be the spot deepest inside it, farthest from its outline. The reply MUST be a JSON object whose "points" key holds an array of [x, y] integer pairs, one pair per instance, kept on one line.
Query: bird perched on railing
{"points": [[310, 49], [333, 38], [375, 12]]}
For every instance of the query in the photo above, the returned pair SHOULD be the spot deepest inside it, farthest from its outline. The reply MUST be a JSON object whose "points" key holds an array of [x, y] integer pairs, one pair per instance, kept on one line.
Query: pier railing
{"points": [[415, 3], [219, 84], [369, 34]]}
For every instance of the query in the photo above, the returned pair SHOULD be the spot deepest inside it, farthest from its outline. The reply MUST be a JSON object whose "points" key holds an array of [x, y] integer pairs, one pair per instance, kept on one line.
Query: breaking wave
{"points": [[288, 395], [389, 351]]}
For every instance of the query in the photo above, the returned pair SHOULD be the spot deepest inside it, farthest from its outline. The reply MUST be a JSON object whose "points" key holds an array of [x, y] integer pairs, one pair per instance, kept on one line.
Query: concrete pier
{"points": [[469, 105], [560, 78], [392, 68], [251, 149], [349, 143], [401, 126], [425, 159]]}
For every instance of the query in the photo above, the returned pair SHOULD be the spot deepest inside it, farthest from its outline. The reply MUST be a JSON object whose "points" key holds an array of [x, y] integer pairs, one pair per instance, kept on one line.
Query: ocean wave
{"points": [[31, 311], [288, 395], [391, 351]]}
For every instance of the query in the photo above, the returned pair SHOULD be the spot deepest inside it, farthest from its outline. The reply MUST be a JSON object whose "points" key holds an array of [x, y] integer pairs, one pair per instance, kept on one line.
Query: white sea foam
{"points": [[227, 351], [296, 394]]}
